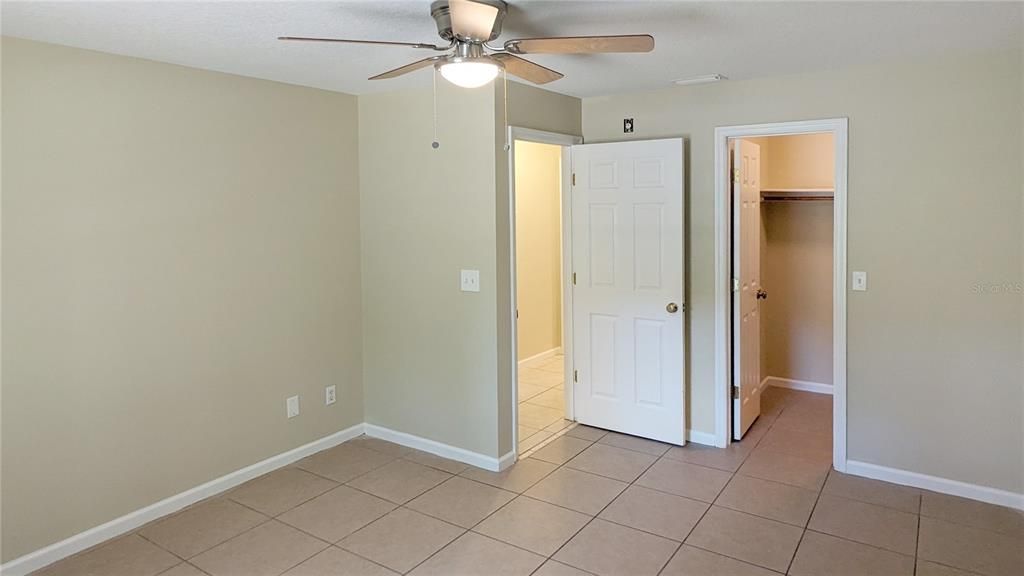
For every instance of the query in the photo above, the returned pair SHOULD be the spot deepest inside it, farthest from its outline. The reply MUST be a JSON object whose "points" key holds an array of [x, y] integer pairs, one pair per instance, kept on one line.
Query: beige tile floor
{"points": [[541, 401], [587, 502]]}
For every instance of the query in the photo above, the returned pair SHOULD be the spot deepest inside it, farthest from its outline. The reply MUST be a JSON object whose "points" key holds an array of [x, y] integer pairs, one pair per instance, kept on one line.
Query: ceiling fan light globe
{"points": [[469, 74]]}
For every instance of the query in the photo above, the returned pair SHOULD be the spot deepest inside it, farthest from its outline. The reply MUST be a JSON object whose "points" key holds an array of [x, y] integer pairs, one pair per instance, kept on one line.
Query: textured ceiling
{"points": [[739, 40]]}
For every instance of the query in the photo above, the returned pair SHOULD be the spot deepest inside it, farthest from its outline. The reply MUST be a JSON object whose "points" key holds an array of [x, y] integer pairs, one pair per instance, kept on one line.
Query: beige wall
{"points": [[796, 271], [538, 247], [796, 259], [798, 161], [935, 378], [528, 107], [443, 210], [180, 253], [429, 349]]}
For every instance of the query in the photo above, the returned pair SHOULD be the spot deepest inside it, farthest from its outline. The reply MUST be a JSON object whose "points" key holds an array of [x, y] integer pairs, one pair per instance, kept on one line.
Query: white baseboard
{"points": [[437, 448], [698, 437], [542, 356], [507, 460], [118, 526], [804, 385], [936, 484]]}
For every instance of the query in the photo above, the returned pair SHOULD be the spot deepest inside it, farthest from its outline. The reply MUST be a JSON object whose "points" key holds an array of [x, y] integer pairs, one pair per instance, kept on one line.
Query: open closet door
{"points": [[747, 292], [627, 255]]}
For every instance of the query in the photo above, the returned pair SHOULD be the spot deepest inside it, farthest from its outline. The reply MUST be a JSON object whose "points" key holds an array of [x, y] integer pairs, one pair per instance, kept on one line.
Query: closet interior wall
{"points": [[796, 259]]}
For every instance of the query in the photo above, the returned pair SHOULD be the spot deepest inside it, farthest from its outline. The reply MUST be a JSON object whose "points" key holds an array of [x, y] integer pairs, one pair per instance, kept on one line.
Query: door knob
{"points": [[762, 295], [672, 307]]}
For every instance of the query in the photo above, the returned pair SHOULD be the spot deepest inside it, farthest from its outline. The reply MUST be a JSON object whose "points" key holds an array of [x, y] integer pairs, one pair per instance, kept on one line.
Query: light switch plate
{"points": [[470, 280], [860, 281], [292, 406]]}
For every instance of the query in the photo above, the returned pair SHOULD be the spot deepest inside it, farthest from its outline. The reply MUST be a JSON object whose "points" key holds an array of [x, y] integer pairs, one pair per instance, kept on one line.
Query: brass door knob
{"points": [[672, 308]]}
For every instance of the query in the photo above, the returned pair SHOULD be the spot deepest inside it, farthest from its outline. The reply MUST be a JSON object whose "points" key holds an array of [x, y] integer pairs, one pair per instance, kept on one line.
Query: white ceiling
{"points": [[739, 40]]}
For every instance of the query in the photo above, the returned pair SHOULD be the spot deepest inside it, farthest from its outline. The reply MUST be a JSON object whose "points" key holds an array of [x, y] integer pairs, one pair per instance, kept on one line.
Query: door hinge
{"points": [[735, 392], [573, 278], [735, 284], [575, 376], [736, 175], [573, 178]]}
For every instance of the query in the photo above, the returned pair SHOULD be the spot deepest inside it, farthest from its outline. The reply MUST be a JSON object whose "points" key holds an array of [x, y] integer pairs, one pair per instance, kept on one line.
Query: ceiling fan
{"points": [[469, 61]]}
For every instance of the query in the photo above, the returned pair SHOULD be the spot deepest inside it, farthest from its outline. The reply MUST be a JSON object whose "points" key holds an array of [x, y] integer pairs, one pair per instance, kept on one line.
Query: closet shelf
{"points": [[790, 194]]}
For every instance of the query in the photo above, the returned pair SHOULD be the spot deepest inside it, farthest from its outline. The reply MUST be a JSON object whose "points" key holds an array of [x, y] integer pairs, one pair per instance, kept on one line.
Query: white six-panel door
{"points": [[627, 255], [747, 284]]}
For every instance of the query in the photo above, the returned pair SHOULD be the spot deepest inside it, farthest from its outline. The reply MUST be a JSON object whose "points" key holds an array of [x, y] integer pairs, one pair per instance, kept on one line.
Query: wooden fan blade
{"points": [[527, 70], [581, 44], [472, 20], [373, 42], [407, 68]]}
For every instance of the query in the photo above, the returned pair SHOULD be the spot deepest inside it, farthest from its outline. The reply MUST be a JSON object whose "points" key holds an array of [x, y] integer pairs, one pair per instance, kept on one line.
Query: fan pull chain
{"points": [[508, 145], [435, 144]]}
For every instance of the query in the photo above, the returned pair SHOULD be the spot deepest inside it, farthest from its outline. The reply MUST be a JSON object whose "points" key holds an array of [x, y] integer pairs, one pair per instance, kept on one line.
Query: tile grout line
{"points": [[171, 552], [566, 465], [917, 540], [468, 530], [356, 554], [657, 458], [523, 494], [845, 539], [275, 518], [269, 518], [733, 475], [603, 508], [820, 492], [272, 519], [803, 532], [266, 520], [187, 563], [436, 552], [747, 562]]}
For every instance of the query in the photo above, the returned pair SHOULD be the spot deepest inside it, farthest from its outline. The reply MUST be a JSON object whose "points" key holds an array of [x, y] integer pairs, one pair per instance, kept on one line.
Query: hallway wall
{"points": [[538, 247]]}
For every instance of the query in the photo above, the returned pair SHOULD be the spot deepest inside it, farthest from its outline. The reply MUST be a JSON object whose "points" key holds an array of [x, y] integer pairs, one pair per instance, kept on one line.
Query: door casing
{"points": [[566, 141], [839, 127]]}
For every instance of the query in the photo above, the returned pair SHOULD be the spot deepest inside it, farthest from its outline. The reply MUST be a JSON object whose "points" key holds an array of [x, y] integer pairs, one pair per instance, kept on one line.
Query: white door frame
{"points": [[565, 141], [723, 285]]}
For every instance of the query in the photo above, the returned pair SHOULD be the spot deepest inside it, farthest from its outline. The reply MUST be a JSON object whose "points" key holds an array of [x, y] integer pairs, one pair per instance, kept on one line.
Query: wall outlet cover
{"points": [[331, 395], [470, 280], [860, 281], [292, 406]]}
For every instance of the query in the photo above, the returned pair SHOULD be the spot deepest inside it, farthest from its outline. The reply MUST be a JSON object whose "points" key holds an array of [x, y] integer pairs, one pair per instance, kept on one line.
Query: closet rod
{"points": [[798, 199]]}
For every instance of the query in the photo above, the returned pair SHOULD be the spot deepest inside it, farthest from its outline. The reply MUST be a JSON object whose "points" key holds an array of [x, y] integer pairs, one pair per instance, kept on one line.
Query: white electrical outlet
{"points": [[330, 395], [470, 280], [292, 406]]}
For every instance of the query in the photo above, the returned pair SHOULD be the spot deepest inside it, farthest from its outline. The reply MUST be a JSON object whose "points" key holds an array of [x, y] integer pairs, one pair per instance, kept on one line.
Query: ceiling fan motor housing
{"points": [[441, 14]]}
